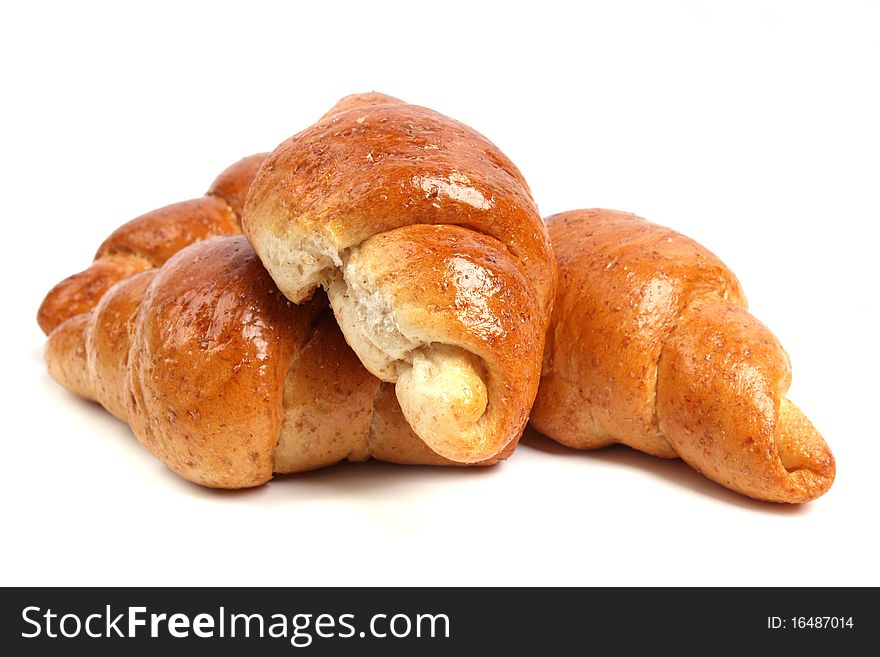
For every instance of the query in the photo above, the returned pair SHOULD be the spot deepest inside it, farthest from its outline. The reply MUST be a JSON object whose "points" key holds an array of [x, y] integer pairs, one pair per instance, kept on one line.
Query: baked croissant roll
{"points": [[149, 240], [434, 257], [651, 345], [225, 380]]}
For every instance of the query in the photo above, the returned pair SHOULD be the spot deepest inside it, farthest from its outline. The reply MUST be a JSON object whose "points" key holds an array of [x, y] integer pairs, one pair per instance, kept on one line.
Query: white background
{"points": [[752, 127]]}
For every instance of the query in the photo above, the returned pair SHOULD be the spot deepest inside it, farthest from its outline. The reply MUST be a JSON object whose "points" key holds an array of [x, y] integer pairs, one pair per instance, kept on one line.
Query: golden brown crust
{"points": [[379, 180], [224, 379], [623, 284], [721, 399], [149, 240], [459, 288], [211, 350], [65, 355], [233, 183], [159, 234], [361, 101], [79, 293], [134, 332], [650, 345], [328, 402], [377, 167], [108, 338]]}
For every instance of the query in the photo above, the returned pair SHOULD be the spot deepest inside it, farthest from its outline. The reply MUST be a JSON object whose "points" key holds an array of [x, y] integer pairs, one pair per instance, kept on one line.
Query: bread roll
{"points": [[651, 346], [225, 380], [434, 257]]}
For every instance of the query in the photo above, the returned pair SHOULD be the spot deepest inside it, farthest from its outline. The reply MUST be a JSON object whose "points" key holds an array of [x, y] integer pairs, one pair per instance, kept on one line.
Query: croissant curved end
{"points": [[65, 356], [443, 397], [803, 453], [80, 292], [441, 391]]}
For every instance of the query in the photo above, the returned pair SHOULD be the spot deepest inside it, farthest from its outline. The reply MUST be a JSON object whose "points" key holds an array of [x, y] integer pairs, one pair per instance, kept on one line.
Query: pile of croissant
{"points": [[382, 286]]}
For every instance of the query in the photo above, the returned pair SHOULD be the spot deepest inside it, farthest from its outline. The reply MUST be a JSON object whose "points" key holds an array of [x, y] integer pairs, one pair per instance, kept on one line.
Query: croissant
{"points": [[434, 257], [149, 240], [225, 380], [651, 345]]}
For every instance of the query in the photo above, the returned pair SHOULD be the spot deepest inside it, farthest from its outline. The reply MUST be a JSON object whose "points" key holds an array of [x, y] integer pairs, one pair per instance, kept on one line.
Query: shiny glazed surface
{"points": [[426, 237]]}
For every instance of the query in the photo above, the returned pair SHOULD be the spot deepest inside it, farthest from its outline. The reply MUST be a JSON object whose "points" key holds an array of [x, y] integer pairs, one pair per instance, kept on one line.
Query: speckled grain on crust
{"points": [[651, 346], [224, 379], [436, 261], [375, 163], [108, 340], [218, 374]]}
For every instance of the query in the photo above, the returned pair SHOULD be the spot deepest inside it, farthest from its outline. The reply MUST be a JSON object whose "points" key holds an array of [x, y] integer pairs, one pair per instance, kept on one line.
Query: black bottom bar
{"points": [[435, 621]]}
